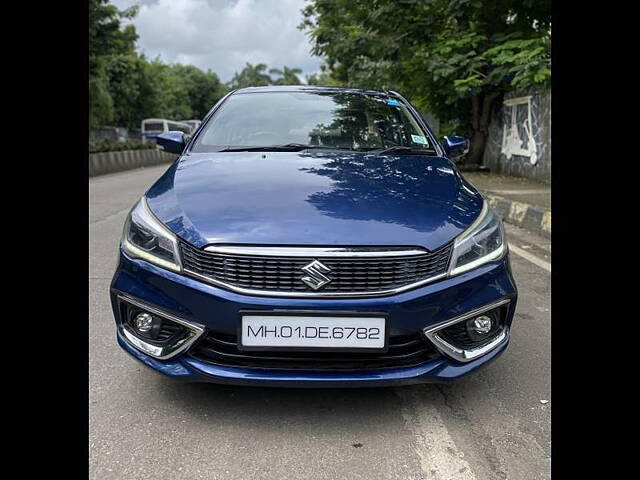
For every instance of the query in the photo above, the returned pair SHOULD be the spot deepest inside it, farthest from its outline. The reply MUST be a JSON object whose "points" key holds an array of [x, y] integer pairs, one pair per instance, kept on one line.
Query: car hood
{"points": [[314, 198]]}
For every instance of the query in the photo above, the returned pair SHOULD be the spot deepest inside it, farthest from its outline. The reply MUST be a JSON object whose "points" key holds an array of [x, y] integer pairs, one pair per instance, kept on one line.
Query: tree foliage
{"points": [[257, 76], [286, 76], [125, 88], [184, 91], [105, 145], [322, 78], [106, 38], [454, 58], [251, 76]]}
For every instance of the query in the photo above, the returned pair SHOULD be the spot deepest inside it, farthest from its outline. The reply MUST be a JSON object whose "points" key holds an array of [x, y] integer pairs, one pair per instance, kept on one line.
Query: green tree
{"points": [[201, 90], [132, 89], [173, 96], [454, 58], [100, 101], [251, 76], [322, 78], [287, 76], [184, 92], [106, 38], [125, 87]]}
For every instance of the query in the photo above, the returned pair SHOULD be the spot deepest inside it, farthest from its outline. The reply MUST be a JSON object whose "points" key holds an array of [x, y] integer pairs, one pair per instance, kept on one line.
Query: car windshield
{"points": [[336, 120]]}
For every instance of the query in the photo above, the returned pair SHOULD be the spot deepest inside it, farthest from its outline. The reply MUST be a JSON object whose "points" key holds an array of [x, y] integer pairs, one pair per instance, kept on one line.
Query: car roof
{"points": [[308, 88]]}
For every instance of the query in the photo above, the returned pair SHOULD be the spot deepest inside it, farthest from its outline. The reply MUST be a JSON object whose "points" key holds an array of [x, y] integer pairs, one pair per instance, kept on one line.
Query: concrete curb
{"points": [[522, 214], [110, 162]]}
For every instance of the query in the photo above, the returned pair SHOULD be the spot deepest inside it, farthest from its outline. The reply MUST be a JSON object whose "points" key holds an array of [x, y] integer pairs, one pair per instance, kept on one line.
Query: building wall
{"points": [[519, 141]]}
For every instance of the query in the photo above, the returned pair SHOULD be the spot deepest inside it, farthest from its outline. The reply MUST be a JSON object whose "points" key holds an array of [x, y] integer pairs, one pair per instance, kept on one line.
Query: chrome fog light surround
{"points": [[194, 331], [466, 355]]}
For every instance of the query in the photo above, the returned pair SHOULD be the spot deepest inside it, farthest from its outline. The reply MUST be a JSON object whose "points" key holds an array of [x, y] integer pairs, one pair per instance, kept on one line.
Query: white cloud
{"points": [[222, 35]]}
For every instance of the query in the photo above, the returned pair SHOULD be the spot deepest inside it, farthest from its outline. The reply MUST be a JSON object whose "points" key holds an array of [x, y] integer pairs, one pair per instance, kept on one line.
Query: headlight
{"points": [[145, 237], [482, 242]]}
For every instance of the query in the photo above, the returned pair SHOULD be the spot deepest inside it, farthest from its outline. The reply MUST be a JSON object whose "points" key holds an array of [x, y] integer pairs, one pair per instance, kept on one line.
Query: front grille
{"points": [[283, 274], [404, 351]]}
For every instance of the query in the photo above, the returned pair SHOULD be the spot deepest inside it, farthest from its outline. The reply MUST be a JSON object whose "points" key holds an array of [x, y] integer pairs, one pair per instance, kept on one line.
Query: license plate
{"points": [[311, 332]]}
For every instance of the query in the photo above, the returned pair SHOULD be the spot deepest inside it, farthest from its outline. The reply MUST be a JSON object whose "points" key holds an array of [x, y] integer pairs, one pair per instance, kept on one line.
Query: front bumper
{"points": [[409, 312]]}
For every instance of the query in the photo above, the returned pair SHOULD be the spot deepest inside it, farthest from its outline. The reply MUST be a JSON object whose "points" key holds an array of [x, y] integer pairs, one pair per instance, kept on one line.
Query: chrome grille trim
{"points": [[315, 252], [279, 276]]}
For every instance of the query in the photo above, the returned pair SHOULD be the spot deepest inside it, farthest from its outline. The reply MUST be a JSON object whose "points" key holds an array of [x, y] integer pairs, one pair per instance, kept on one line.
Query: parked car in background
{"points": [[152, 127], [313, 236], [194, 124]]}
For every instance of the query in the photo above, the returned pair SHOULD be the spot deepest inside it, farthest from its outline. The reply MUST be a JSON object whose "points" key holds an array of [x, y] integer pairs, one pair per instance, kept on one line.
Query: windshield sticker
{"points": [[393, 103], [419, 139]]}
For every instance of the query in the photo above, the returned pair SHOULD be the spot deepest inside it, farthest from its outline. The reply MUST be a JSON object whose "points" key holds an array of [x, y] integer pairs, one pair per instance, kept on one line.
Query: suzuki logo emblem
{"points": [[315, 275]]}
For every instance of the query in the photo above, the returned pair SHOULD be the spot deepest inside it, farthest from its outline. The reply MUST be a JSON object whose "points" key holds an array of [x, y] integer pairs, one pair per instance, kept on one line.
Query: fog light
{"points": [[482, 325], [144, 322]]}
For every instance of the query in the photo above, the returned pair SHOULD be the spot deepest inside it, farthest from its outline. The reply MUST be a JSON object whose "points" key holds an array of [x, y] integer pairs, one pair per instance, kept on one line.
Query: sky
{"points": [[222, 35]]}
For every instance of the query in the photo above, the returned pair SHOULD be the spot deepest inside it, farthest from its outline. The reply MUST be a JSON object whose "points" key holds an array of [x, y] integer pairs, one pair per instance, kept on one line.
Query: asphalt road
{"points": [[494, 424]]}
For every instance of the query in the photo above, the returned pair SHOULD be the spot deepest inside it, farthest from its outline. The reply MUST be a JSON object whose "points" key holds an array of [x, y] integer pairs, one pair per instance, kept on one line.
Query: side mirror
{"points": [[172, 141], [455, 146]]}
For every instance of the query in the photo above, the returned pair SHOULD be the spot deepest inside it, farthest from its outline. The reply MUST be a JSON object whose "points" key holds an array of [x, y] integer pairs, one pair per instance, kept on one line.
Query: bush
{"points": [[105, 145]]}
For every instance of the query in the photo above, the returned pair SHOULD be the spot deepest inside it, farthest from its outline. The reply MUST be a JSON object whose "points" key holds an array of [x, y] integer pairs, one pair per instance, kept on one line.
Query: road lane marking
{"points": [[532, 258], [440, 458]]}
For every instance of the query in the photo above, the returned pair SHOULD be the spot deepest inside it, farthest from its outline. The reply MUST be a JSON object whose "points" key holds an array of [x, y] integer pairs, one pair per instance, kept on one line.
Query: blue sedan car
{"points": [[313, 237]]}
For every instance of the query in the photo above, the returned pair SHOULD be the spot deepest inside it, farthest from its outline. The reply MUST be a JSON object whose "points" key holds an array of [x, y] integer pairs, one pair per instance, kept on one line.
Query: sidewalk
{"points": [[520, 201]]}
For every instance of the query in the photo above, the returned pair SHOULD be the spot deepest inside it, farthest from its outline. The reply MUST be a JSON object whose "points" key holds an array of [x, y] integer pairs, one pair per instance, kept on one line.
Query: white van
{"points": [[152, 127], [194, 124]]}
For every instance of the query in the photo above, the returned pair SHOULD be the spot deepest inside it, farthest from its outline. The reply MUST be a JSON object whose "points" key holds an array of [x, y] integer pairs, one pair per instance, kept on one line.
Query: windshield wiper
{"points": [[405, 150], [288, 147]]}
